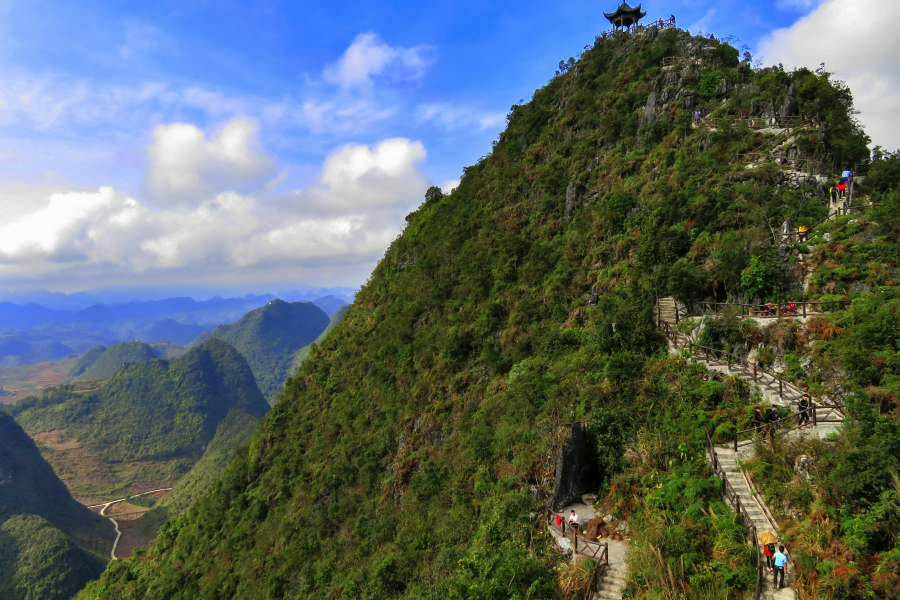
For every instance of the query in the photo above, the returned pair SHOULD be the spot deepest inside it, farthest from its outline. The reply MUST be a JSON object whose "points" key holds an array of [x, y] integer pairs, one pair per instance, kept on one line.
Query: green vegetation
{"points": [[40, 562], [101, 363], [50, 545], [154, 411], [268, 337], [303, 353], [233, 432], [401, 458]]}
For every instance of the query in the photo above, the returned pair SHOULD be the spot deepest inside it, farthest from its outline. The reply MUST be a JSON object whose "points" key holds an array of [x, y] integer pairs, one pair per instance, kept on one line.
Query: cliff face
{"points": [[411, 454]]}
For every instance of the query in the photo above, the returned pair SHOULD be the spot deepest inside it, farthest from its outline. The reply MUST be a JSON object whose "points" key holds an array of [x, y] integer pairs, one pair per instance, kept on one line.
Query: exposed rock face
{"points": [[725, 86], [572, 475], [571, 196]]}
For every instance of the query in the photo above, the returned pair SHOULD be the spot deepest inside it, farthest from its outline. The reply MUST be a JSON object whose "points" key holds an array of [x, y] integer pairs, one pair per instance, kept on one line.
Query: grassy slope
{"points": [[50, 545], [401, 458], [233, 432], [269, 335], [102, 363], [303, 353]]}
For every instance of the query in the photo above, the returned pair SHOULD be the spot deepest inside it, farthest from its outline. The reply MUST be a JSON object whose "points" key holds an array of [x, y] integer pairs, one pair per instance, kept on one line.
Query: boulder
{"points": [[725, 86], [803, 465], [572, 473]]}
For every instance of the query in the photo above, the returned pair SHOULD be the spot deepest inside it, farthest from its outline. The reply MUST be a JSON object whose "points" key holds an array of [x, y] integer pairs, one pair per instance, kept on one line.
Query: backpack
{"points": [[771, 548]]}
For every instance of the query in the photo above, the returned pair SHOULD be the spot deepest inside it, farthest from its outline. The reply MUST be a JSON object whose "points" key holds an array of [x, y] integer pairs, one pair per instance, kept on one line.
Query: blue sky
{"points": [[270, 142]]}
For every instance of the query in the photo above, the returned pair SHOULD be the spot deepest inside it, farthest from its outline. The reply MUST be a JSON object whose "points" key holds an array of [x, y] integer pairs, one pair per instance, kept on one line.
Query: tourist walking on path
{"points": [[769, 552], [768, 539], [803, 409], [772, 417], [759, 421], [780, 560], [801, 233]]}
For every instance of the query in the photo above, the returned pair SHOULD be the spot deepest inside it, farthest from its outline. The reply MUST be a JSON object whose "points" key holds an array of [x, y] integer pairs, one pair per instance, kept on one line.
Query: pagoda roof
{"points": [[625, 15]]}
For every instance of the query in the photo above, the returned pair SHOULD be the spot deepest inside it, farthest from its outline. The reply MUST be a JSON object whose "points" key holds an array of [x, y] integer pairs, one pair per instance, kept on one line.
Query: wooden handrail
{"points": [[804, 308], [735, 501]]}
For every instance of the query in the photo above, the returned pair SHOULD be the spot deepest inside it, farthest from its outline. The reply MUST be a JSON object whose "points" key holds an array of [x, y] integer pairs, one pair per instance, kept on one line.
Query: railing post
{"points": [[729, 360], [804, 309], [812, 406], [754, 372], [576, 542], [676, 313], [735, 441], [780, 387]]}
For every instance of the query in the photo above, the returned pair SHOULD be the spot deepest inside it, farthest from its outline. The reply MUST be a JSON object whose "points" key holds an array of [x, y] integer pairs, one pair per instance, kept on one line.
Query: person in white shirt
{"points": [[573, 520]]}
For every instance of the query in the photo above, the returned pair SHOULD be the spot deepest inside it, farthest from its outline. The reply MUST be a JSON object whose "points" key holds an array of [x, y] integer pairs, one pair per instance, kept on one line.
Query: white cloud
{"points": [[369, 55], [64, 226], [356, 177], [350, 214], [184, 164], [862, 50], [449, 185]]}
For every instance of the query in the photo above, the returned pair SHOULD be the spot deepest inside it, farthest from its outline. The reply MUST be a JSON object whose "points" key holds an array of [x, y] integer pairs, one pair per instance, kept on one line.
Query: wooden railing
{"points": [[597, 551], [803, 308], [601, 565], [759, 374], [731, 496], [793, 421]]}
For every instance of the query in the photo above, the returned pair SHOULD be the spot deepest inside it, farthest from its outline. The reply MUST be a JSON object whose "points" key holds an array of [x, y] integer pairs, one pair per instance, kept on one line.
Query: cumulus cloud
{"points": [[351, 212], [369, 55], [184, 164], [358, 178], [862, 50]]}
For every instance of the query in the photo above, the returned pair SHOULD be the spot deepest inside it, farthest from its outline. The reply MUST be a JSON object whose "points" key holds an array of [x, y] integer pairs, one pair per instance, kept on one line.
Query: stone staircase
{"points": [[759, 515], [612, 582], [728, 458]]}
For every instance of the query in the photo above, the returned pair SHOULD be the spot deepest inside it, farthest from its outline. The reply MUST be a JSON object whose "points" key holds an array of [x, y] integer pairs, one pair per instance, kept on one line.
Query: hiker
{"points": [[801, 233], [803, 409], [847, 175], [772, 417], [790, 308], [769, 552], [833, 192], [841, 188], [573, 521], [759, 421], [780, 559], [697, 115], [660, 23], [777, 119]]}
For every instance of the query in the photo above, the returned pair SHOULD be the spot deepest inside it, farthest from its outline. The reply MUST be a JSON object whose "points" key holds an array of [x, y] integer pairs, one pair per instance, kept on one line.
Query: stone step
{"points": [[608, 594]]}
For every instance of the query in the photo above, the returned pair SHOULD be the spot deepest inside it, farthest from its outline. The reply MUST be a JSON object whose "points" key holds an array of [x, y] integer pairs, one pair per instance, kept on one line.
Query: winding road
{"points": [[103, 507]]}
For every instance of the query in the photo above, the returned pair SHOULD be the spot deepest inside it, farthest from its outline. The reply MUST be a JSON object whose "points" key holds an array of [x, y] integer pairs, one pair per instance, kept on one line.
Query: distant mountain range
{"points": [[268, 337], [31, 333]]}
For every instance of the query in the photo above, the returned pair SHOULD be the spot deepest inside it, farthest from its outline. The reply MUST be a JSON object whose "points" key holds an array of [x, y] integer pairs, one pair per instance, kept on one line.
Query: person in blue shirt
{"points": [[780, 560]]}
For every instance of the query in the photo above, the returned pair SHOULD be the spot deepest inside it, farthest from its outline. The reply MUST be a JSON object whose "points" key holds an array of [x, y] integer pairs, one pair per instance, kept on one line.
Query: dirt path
{"points": [[112, 553], [104, 507]]}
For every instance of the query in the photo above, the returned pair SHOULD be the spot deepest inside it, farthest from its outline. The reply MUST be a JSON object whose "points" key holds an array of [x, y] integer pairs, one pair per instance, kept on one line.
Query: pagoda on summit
{"points": [[625, 16]]}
